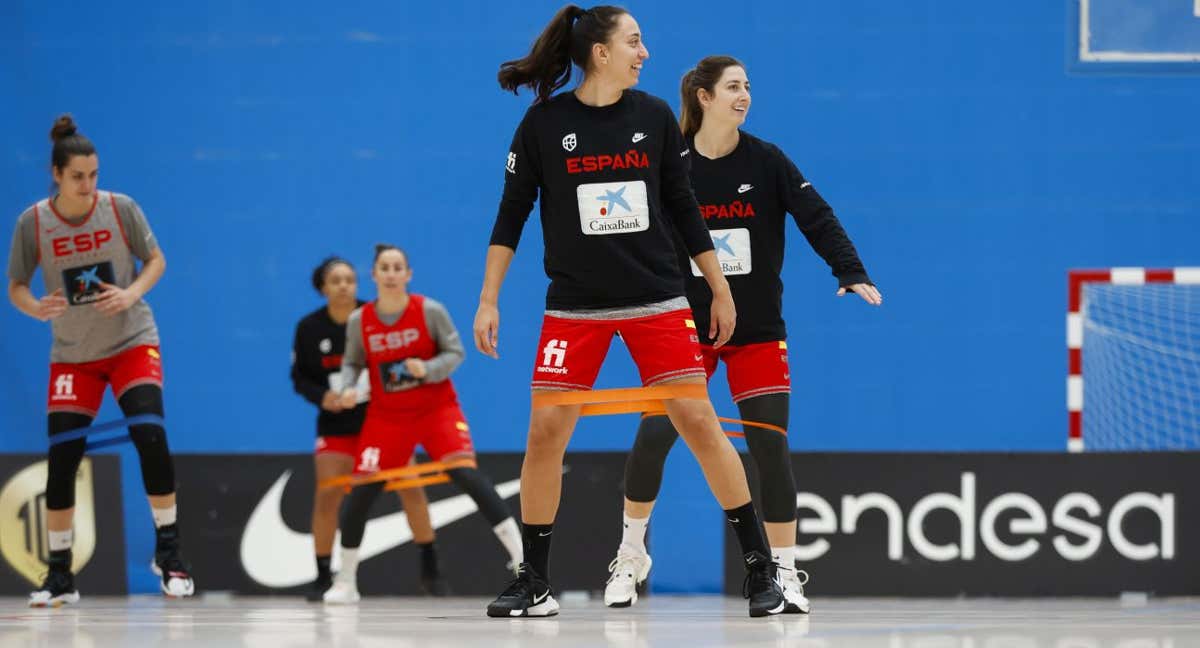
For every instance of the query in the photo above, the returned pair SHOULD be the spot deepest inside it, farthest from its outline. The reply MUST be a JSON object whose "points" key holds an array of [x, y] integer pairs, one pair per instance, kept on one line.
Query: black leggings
{"points": [[656, 435], [469, 480], [150, 439]]}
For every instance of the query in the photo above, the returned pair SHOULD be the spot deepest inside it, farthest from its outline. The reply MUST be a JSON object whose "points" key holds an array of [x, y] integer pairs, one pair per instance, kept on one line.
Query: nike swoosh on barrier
{"points": [[275, 555]]}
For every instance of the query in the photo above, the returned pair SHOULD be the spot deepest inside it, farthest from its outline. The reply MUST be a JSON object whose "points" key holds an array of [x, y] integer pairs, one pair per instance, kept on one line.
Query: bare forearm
{"points": [[498, 259], [710, 267], [22, 298], [151, 272]]}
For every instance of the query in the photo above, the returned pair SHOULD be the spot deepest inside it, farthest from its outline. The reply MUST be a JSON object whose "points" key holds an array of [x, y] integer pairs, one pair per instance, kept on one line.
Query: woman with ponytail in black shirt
{"points": [[609, 166]]}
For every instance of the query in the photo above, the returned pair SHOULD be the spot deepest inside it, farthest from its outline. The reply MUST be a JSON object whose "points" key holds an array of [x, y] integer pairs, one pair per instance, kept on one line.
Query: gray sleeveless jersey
{"points": [[76, 257]]}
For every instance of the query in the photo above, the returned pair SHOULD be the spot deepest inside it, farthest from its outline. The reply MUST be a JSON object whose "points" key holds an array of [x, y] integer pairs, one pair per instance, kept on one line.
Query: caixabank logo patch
{"points": [[23, 536], [997, 524]]}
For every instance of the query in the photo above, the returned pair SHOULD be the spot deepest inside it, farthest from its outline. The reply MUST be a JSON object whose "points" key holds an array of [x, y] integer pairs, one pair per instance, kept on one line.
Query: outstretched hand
{"points": [[869, 293]]}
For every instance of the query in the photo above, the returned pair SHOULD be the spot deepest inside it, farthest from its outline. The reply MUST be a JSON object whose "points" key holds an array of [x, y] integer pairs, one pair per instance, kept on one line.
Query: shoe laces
{"points": [[521, 584], [52, 577], [759, 577], [790, 576], [624, 563], [172, 564]]}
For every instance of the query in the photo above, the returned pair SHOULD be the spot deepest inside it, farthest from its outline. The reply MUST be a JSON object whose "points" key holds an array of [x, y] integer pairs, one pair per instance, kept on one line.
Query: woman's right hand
{"points": [[332, 402], [51, 306], [349, 399], [487, 326]]}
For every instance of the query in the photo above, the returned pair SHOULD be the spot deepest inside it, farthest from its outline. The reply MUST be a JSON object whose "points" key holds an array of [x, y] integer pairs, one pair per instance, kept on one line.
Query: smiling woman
{"points": [[87, 243]]}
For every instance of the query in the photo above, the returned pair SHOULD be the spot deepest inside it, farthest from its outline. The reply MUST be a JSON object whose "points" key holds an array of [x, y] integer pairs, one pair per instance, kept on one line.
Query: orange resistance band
{"points": [[647, 401], [401, 478]]}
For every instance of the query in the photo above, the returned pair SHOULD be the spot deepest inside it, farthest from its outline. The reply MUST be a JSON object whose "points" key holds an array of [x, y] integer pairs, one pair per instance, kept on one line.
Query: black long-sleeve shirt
{"points": [[745, 197], [614, 192], [316, 355]]}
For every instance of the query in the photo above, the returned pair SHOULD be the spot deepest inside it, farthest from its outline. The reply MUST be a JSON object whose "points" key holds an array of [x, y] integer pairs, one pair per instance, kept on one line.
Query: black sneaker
{"points": [[169, 565], [527, 595], [57, 589], [316, 591], [760, 587]]}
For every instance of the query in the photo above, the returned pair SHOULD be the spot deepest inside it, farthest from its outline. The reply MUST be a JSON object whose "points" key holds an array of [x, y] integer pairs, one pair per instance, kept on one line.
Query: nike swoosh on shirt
{"points": [[274, 555]]}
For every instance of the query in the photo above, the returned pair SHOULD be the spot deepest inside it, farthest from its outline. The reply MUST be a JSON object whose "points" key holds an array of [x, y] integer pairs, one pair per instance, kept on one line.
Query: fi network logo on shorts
{"points": [[554, 354]]}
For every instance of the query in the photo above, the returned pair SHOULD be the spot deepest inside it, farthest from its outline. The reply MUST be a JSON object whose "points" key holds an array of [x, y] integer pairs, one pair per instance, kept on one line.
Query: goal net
{"points": [[1133, 339], [1134, 353]]}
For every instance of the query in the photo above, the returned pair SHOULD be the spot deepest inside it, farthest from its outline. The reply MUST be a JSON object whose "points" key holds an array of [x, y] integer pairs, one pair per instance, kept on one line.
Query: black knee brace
{"points": [[355, 508], [150, 439], [479, 486], [770, 451], [644, 465], [64, 459]]}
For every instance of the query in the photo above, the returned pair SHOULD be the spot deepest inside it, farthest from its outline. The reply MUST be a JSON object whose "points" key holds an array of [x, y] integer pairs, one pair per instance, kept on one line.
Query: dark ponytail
{"points": [[705, 75], [68, 142], [567, 39]]}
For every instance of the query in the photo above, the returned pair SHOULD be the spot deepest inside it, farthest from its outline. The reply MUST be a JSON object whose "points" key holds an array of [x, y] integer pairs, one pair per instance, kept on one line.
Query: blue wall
{"points": [[968, 158]]}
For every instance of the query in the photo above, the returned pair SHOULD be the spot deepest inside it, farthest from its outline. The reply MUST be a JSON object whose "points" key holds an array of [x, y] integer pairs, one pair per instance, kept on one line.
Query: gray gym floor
{"points": [[675, 622]]}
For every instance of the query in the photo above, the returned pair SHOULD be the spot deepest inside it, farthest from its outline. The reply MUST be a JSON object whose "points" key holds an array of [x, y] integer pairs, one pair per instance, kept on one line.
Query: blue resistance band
{"points": [[83, 433]]}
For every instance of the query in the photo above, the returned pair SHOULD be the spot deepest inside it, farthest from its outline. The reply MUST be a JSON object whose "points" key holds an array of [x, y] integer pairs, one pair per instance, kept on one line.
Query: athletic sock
{"points": [[633, 535], [60, 540], [537, 547], [510, 536], [323, 571], [784, 556], [164, 516], [749, 531], [349, 572]]}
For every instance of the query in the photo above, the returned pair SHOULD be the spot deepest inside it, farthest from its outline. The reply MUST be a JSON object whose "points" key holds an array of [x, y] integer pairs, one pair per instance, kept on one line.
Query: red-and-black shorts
{"points": [[346, 444], [79, 387], [664, 347], [389, 438], [752, 369]]}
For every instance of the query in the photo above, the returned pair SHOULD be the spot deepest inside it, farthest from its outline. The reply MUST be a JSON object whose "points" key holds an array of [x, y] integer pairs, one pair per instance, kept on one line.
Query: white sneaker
{"points": [[175, 582], [57, 589], [792, 584], [629, 571], [342, 593]]}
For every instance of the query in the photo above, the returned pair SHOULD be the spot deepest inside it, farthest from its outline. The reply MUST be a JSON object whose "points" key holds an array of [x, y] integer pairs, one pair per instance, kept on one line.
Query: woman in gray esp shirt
{"points": [[85, 241]]}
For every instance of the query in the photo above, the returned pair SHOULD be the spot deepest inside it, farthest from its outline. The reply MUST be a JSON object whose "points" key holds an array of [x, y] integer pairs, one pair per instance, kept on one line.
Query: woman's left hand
{"points": [[869, 293], [114, 299], [416, 367]]}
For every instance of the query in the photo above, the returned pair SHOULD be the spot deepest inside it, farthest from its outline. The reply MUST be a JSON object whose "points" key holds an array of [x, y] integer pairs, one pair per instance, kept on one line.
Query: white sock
{"points": [[349, 571], [509, 535], [634, 534], [163, 516], [784, 556], [61, 540]]}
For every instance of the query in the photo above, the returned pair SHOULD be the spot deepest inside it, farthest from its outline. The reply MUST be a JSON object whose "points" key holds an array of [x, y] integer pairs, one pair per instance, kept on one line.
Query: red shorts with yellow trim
{"points": [[570, 351], [346, 444], [79, 387], [752, 369], [389, 438]]}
